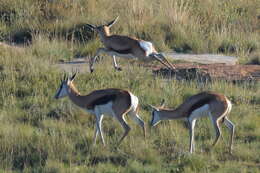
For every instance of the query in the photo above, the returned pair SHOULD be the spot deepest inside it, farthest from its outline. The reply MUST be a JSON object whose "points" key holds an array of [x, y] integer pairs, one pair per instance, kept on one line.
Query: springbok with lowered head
{"points": [[211, 104], [125, 47], [112, 102]]}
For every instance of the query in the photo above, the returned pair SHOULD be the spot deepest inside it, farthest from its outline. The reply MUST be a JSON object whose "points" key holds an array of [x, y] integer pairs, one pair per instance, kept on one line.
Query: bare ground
{"points": [[211, 72], [203, 58], [184, 70]]}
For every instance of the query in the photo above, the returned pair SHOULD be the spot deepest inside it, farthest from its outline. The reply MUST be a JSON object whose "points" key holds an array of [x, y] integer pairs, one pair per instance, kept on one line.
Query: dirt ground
{"points": [[211, 72], [184, 70]]}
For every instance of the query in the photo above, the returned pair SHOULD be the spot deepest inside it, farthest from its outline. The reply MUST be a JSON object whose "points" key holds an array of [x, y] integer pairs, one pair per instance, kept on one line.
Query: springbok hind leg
{"points": [[192, 123], [93, 60], [215, 123], [163, 60], [231, 128], [125, 126], [167, 61], [138, 121]]}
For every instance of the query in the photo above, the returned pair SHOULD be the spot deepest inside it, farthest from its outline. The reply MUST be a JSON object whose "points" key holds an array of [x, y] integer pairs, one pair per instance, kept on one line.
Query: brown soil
{"points": [[234, 73], [211, 72]]}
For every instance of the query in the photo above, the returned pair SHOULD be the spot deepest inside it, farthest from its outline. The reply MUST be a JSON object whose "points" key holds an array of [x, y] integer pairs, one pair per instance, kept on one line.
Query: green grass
{"points": [[41, 134], [203, 26]]}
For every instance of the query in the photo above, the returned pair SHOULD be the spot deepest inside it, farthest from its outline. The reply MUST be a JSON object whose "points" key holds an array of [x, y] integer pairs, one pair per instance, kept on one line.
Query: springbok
{"points": [[211, 104], [125, 47], [112, 102]]}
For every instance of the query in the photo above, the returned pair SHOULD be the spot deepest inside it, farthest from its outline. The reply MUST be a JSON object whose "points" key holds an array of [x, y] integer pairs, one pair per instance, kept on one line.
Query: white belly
{"points": [[113, 53], [200, 112], [105, 109]]}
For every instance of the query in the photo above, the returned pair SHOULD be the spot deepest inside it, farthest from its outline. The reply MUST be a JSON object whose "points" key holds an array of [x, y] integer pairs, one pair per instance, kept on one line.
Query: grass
{"points": [[229, 27], [40, 134]]}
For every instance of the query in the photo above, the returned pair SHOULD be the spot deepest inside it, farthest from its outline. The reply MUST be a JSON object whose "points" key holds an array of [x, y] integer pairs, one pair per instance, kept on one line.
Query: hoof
{"points": [[118, 69]]}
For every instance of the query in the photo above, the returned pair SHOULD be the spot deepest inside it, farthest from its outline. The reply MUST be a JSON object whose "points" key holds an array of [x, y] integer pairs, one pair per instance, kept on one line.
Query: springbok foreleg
{"points": [[99, 119], [138, 121], [115, 64], [106, 51], [192, 123], [125, 126], [93, 60], [215, 123]]}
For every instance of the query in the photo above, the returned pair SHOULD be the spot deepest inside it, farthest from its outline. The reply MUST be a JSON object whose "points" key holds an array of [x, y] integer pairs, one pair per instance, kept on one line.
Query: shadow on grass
{"points": [[79, 33]]}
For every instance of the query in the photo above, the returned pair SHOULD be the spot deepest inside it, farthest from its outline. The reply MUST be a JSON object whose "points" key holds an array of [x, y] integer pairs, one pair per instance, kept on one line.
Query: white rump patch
{"points": [[200, 112], [229, 106], [147, 47], [134, 101]]}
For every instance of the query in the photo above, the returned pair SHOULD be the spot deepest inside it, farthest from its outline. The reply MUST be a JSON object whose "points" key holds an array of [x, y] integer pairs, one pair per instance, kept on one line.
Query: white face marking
{"points": [[200, 112], [147, 46], [62, 91], [155, 118]]}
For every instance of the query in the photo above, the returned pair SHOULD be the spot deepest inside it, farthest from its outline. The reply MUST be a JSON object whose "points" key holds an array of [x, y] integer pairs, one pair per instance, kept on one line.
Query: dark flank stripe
{"points": [[199, 104], [127, 51], [101, 101]]}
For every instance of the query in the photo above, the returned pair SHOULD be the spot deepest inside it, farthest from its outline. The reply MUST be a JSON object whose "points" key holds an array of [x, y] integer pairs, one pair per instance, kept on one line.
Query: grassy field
{"points": [[41, 134]]}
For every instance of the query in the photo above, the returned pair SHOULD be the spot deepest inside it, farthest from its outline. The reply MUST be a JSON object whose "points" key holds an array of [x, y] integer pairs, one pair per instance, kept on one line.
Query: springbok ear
{"points": [[162, 103], [112, 22], [153, 107], [92, 27], [73, 76]]}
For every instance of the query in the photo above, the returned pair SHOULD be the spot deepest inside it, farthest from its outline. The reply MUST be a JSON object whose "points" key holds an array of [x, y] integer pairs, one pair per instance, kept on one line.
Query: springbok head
{"points": [[103, 29], [64, 85], [155, 113]]}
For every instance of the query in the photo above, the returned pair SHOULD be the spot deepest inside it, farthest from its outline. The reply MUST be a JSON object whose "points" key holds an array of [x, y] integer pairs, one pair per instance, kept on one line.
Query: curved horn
{"points": [[112, 22], [153, 107], [162, 103], [73, 76]]}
